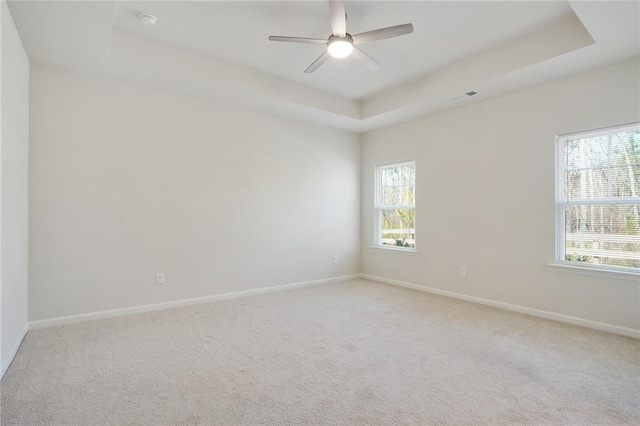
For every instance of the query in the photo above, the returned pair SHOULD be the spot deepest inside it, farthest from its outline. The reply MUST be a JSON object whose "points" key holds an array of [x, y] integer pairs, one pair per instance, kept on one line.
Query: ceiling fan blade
{"points": [[316, 64], [367, 60], [338, 18], [298, 39], [382, 33]]}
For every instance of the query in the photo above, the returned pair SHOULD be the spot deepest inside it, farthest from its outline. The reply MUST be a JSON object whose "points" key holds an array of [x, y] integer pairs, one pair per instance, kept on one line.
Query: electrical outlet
{"points": [[160, 278], [335, 260], [463, 272]]}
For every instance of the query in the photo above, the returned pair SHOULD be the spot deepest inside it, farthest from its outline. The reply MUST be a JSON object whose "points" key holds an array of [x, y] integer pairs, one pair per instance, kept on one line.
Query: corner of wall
{"points": [[14, 143]]}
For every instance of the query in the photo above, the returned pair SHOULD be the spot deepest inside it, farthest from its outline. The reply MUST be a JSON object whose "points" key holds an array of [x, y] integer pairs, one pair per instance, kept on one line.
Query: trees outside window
{"points": [[395, 205], [598, 202]]}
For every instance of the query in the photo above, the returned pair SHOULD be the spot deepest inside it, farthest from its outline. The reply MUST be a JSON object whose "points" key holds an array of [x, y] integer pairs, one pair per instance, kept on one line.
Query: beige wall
{"points": [[485, 196], [13, 176], [126, 182]]}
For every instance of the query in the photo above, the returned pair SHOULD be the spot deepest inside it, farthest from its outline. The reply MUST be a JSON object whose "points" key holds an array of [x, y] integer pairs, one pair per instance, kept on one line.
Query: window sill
{"points": [[413, 252], [594, 271]]}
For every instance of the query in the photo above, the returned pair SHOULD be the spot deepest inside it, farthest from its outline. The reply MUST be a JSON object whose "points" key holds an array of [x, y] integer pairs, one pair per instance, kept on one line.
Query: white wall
{"points": [[126, 182], [485, 196], [13, 176]]}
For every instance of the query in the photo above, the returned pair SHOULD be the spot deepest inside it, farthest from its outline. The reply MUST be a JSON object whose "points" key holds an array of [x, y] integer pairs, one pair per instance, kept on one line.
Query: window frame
{"points": [[377, 207], [560, 263]]}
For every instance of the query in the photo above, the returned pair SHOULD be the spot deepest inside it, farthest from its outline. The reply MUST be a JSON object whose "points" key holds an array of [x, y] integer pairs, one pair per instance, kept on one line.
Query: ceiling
{"points": [[219, 50], [211, 27]]}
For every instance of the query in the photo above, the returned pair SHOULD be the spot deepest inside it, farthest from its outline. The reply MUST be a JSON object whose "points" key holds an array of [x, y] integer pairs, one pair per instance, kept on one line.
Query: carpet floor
{"points": [[347, 353]]}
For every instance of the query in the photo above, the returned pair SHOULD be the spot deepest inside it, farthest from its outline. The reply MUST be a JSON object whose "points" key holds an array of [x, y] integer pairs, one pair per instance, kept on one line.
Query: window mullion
{"points": [[598, 201]]}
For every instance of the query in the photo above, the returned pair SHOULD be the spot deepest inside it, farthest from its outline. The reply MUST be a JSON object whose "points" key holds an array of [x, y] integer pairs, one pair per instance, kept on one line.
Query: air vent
{"points": [[462, 96]]}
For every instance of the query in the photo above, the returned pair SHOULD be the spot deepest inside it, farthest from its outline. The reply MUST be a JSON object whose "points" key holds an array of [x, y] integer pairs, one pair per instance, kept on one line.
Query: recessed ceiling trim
{"points": [[49, 31], [560, 38]]}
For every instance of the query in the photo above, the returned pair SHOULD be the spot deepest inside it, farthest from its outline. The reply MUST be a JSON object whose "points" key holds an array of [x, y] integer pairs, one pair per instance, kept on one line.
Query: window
{"points": [[598, 199], [395, 206]]}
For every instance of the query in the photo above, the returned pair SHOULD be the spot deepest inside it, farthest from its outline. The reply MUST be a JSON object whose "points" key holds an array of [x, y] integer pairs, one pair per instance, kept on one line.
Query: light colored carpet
{"points": [[347, 353]]}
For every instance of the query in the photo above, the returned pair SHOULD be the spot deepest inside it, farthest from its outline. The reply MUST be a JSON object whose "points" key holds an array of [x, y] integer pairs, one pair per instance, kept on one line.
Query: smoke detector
{"points": [[147, 19]]}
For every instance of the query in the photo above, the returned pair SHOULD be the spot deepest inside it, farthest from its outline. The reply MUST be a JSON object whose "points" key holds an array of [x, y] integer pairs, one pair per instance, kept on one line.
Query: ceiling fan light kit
{"points": [[340, 47], [341, 44]]}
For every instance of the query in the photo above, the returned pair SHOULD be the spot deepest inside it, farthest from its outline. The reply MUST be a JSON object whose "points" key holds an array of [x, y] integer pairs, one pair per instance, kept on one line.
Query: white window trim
{"points": [[561, 265], [403, 250], [377, 209], [594, 270]]}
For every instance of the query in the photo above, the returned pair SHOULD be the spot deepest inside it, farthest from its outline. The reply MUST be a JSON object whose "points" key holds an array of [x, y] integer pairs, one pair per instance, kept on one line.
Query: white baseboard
{"points": [[167, 305], [629, 332], [14, 351]]}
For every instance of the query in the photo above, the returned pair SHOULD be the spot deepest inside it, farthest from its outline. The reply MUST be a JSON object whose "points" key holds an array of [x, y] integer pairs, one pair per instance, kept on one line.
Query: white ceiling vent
{"points": [[465, 95]]}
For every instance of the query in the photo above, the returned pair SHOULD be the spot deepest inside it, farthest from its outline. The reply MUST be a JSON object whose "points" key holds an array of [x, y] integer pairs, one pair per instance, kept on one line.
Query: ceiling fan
{"points": [[341, 44]]}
